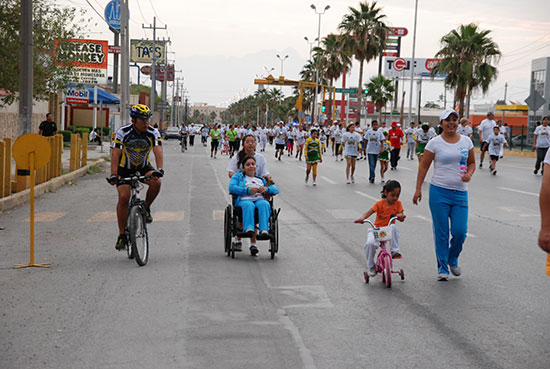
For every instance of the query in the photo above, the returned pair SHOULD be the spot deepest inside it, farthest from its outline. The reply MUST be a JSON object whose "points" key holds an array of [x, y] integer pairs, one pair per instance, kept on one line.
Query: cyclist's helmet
{"points": [[140, 111]]}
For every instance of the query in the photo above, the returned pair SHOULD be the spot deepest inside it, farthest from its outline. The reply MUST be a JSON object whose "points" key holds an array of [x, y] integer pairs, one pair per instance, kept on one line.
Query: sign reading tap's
{"points": [[88, 58], [142, 51], [401, 67]]}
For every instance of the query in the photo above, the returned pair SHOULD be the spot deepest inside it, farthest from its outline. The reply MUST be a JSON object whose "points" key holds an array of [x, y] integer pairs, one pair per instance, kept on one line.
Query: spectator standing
{"points": [[48, 127], [485, 129], [396, 138], [541, 142]]}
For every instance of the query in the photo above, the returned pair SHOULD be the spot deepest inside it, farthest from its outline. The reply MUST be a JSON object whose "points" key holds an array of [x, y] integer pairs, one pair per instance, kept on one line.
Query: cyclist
{"points": [[183, 136], [130, 154]]}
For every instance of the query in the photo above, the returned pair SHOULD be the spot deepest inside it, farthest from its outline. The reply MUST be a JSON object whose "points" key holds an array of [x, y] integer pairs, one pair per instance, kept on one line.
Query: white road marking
{"points": [[104, 216], [519, 191], [344, 213], [46, 217], [367, 196], [423, 218], [405, 168], [328, 180], [218, 214], [471, 235], [168, 216]]}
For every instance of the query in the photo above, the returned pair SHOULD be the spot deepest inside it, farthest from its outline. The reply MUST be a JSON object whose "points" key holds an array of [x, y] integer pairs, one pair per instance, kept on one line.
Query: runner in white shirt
{"points": [[279, 133], [464, 128], [541, 143], [359, 130], [496, 141], [422, 136], [263, 137], [338, 133], [300, 137], [485, 129], [332, 137], [411, 143], [374, 137], [351, 141]]}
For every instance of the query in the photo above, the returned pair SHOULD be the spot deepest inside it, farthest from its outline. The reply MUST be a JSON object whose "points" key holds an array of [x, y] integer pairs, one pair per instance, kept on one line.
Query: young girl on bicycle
{"points": [[385, 209]]}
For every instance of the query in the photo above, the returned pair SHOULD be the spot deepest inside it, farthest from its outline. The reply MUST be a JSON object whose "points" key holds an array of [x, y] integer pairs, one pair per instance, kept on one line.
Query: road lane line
{"points": [[519, 191], [367, 196], [423, 218], [46, 217], [104, 216], [169, 216], [328, 180], [218, 214]]}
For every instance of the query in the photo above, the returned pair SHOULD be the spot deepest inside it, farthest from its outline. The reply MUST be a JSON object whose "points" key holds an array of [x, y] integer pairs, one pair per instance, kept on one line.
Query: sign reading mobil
{"points": [[87, 57], [141, 51], [77, 96], [401, 67]]}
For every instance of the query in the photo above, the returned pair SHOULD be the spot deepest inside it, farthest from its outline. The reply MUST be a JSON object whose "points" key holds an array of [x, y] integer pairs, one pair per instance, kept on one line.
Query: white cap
{"points": [[446, 114]]}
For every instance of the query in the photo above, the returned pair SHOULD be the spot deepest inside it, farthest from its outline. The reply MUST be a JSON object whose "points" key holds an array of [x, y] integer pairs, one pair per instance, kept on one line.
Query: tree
{"points": [[364, 34], [381, 92], [50, 22], [333, 60], [213, 116], [467, 55]]}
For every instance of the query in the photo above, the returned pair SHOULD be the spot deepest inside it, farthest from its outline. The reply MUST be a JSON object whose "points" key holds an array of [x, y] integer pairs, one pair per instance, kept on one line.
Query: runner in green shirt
{"points": [[232, 134], [214, 141]]}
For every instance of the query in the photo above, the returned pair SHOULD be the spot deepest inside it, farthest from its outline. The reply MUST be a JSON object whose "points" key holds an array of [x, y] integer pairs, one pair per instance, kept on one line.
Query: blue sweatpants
{"points": [[373, 158], [448, 206], [264, 211]]}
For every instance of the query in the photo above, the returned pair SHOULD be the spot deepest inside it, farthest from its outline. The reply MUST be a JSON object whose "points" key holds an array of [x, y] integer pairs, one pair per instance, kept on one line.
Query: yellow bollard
{"points": [[31, 151], [2, 169], [59, 154], [78, 151], [7, 167], [84, 149], [74, 143], [548, 265]]}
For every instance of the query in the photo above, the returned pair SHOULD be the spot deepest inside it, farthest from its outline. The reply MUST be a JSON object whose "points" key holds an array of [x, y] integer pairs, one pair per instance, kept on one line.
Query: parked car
{"points": [[172, 132], [518, 140]]}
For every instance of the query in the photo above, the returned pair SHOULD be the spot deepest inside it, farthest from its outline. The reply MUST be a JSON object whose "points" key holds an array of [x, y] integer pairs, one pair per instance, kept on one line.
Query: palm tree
{"points": [[364, 34], [333, 60], [467, 55], [380, 90]]}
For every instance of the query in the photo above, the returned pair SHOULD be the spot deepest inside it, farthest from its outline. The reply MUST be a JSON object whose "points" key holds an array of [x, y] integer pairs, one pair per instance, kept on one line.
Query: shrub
{"points": [[81, 131], [84, 129], [66, 135], [105, 131]]}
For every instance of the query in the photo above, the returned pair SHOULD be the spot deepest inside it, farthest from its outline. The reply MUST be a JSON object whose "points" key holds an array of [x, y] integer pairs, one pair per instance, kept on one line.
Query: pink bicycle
{"points": [[384, 261]]}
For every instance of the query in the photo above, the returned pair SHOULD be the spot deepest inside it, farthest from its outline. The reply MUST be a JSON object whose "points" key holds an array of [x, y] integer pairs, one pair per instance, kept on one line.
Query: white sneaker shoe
{"points": [[352, 179], [348, 181], [456, 270], [372, 272], [382, 181], [315, 183], [442, 277]]}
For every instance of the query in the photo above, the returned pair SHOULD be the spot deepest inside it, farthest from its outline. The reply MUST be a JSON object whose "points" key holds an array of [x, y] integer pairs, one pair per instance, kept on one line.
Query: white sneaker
{"points": [[372, 272], [348, 181], [455, 270], [314, 183], [352, 179], [442, 277], [382, 181]]}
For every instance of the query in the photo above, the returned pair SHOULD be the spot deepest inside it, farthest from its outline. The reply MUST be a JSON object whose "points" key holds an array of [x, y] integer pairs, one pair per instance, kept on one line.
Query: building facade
{"points": [[540, 82]]}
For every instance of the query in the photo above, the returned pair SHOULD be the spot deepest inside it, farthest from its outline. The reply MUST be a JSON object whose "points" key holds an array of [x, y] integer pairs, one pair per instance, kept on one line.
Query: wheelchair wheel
{"points": [[275, 239], [227, 229]]}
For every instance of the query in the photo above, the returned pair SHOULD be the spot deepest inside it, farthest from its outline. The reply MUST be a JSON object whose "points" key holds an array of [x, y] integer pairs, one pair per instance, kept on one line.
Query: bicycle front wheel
{"points": [[138, 236], [387, 270]]}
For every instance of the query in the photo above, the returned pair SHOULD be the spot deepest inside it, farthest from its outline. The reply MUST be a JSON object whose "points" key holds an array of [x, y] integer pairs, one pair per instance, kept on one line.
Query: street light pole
{"points": [[282, 61], [316, 67], [412, 63], [310, 44]]}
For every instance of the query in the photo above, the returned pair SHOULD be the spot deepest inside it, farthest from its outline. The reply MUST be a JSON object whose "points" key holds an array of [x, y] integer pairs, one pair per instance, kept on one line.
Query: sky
{"points": [[222, 45]]}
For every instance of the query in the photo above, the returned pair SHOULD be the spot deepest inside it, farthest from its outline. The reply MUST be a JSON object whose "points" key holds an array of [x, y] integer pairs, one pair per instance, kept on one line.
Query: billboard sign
{"points": [[163, 70], [75, 95], [401, 67], [88, 58], [141, 51]]}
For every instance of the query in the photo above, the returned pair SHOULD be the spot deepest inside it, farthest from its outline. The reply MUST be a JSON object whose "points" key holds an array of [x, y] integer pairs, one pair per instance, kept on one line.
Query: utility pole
{"points": [[26, 71], [505, 92], [125, 63], [154, 59], [412, 62], [115, 66]]}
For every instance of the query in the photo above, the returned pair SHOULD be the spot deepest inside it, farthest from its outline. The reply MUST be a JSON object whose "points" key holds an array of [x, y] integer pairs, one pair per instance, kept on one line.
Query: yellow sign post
{"points": [[31, 152]]}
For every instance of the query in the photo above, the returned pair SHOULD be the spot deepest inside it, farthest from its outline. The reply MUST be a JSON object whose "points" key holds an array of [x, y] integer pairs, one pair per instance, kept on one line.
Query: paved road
{"points": [[191, 307]]}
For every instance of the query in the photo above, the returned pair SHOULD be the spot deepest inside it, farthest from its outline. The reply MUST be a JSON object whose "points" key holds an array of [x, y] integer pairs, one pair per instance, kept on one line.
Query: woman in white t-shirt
{"points": [[454, 165], [351, 141]]}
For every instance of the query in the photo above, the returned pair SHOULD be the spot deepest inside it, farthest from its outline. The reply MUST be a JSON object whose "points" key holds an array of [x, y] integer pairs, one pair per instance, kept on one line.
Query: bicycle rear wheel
{"points": [[138, 235]]}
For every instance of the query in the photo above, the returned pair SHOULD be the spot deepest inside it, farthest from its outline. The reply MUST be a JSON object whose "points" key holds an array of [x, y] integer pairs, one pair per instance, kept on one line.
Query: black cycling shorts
{"points": [[125, 173]]}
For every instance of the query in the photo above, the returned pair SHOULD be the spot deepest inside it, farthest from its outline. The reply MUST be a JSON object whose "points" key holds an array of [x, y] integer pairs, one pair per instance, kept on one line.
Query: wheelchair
{"points": [[232, 218]]}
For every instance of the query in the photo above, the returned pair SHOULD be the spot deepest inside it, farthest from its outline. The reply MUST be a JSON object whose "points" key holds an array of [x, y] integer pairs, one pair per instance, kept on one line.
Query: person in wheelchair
{"points": [[251, 192]]}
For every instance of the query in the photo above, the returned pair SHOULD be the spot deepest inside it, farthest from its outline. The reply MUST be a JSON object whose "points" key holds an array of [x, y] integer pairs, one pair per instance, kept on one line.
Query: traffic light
{"points": [[323, 108], [366, 92]]}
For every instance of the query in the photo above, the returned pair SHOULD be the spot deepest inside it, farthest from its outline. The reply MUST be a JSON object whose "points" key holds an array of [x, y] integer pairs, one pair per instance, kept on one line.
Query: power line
{"points": [[154, 11], [513, 52], [141, 12], [100, 16]]}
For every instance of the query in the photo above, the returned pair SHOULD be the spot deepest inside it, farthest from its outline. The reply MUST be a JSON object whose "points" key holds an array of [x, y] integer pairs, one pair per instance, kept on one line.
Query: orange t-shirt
{"points": [[385, 212]]}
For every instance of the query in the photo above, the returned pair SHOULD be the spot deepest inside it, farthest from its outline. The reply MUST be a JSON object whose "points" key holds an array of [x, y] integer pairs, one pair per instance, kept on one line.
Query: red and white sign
{"points": [[401, 67], [77, 96], [398, 31], [389, 53], [114, 49], [88, 58]]}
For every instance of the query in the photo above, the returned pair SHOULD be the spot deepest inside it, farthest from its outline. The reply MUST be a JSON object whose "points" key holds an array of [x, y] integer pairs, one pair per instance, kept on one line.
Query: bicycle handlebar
{"points": [[372, 224], [138, 178]]}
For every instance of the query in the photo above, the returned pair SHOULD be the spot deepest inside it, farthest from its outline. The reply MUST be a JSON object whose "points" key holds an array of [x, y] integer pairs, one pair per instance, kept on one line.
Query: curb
{"points": [[522, 154], [23, 197]]}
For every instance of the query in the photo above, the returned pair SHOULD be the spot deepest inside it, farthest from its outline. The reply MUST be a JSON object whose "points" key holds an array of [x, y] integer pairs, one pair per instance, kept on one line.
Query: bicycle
{"points": [[384, 260], [136, 227]]}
